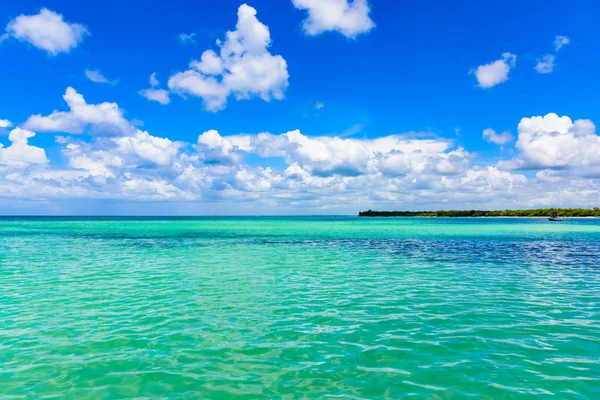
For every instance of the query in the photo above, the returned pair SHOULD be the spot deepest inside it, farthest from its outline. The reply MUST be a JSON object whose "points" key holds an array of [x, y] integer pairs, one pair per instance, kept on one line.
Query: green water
{"points": [[293, 308]]}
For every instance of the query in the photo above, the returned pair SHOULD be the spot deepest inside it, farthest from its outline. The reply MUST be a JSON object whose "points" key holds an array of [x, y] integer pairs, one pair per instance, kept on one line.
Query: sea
{"points": [[334, 307]]}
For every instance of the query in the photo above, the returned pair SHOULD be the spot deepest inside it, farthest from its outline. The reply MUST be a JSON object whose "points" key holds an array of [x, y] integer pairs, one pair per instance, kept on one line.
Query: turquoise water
{"points": [[292, 308]]}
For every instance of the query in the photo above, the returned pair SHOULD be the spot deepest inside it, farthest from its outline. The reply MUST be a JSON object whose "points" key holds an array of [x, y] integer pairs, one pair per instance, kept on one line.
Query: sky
{"points": [[297, 106]]}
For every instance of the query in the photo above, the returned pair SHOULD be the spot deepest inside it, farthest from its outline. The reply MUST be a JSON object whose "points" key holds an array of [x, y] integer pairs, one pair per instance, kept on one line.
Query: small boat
{"points": [[554, 218]]}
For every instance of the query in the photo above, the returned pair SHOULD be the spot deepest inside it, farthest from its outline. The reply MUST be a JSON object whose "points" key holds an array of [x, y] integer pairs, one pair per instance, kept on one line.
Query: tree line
{"points": [[537, 212]]}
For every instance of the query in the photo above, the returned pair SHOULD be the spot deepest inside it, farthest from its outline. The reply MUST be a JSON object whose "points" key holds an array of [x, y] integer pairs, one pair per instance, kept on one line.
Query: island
{"points": [[537, 212]]}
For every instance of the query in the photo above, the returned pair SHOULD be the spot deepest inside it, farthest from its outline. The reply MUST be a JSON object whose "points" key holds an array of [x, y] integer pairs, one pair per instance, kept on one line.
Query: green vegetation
{"points": [[539, 212]]}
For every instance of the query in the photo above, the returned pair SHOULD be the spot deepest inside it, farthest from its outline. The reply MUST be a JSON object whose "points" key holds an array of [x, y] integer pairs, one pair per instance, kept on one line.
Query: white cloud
{"points": [[322, 156], [96, 76], [4, 123], [486, 178], [148, 189], [548, 175], [555, 142], [160, 151], [20, 153], [545, 65], [496, 72], [350, 18], [153, 80], [214, 148], [159, 95], [327, 156], [87, 162], [134, 166], [47, 31], [390, 172], [560, 42], [319, 105], [244, 68], [491, 136], [185, 38], [103, 117], [296, 173]]}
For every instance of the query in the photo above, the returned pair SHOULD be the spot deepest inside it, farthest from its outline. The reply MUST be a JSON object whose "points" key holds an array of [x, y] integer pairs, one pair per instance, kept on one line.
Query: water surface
{"points": [[305, 307]]}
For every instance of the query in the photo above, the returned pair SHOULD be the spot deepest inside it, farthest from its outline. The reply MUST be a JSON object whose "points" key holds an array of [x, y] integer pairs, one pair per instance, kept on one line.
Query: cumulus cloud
{"points": [[545, 65], [149, 189], [214, 148], [47, 31], [133, 165], [549, 175], [485, 178], [20, 153], [160, 151], [159, 95], [350, 18], [496, 72], [393, 171], [4, 123], [185, 38], [103, 117], [322, 156], [244, 68], [560, 42], [96, 76], [491, 136], [88, 161], [327, 156], [295, 172], [555, 142], [132, 145]]}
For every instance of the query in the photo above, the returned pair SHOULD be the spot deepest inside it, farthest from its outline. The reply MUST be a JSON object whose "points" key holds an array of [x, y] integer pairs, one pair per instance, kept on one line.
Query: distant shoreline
{"points": [[460, 216], [532, 213]]}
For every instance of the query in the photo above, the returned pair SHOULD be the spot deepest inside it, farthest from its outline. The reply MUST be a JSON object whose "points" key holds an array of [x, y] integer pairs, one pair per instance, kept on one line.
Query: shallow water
{"points": [[321, 307]]}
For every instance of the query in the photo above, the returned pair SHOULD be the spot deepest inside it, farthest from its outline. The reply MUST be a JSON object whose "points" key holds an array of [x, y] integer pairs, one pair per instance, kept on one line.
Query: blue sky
{"points": [[355, 71]]}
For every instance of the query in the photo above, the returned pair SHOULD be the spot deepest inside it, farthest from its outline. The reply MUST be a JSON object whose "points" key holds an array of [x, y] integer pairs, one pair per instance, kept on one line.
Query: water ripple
{"points": [[299, 308]]}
